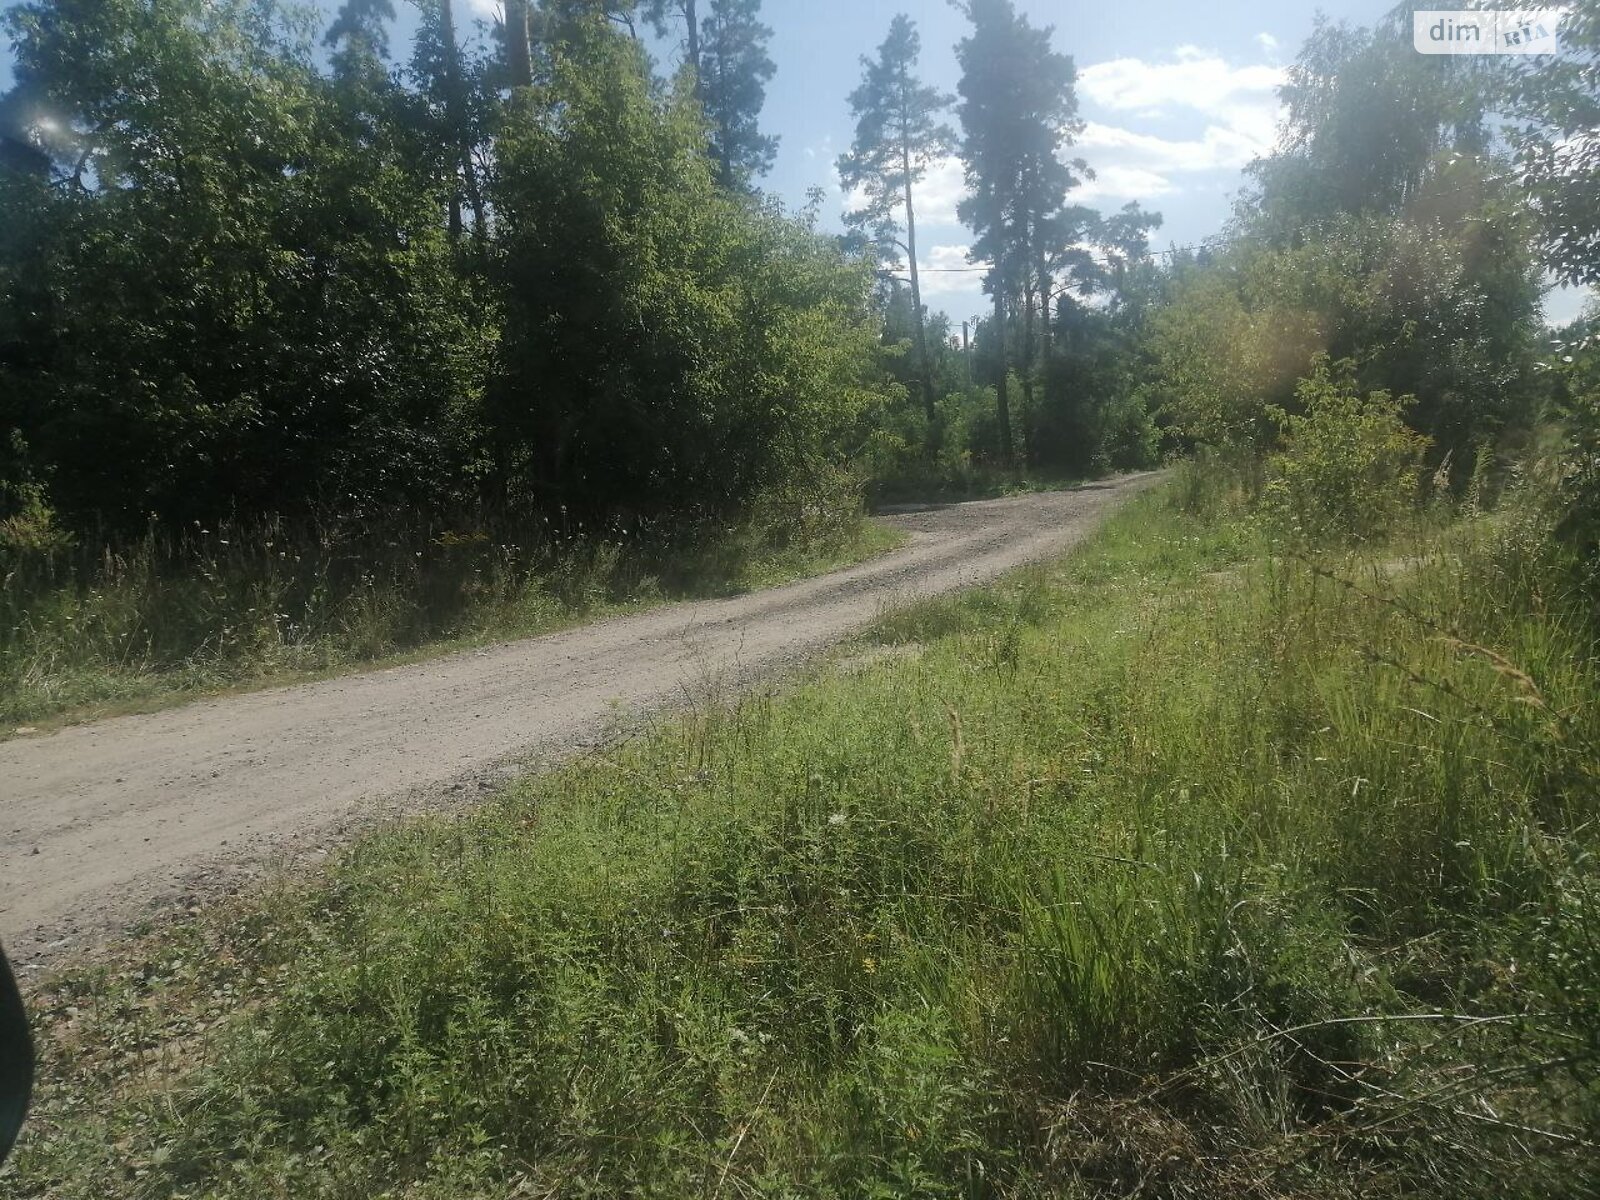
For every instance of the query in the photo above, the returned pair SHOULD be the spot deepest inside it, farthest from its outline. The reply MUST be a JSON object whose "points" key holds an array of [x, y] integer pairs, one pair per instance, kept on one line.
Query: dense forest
{"points": [[315, 318], [258, 266], [258, 263]]}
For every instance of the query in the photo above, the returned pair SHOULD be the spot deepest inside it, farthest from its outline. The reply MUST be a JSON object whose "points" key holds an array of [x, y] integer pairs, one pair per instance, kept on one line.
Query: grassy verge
{"points": [[162, 620], [1175, 869]]}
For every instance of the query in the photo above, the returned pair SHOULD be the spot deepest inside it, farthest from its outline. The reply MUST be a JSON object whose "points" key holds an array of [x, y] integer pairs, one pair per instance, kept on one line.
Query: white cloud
{"points": [[945, 271], [1242, 99], [953, 256], [492, 10], [1238, 106], [1267, 42], [940, 191], [1195, 79], [936, 196], [1122, 183], [1218, 147]]}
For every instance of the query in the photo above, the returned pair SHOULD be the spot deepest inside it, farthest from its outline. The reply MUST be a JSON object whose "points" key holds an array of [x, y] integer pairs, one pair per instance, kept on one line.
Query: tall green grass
{"points": [[1179, 868], [87, 626]]}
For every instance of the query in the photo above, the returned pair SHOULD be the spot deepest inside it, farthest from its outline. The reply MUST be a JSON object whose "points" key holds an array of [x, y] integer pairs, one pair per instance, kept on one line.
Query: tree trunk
{"points": [[924, 366], [480, 217], [455, 115], [1046, 329], [1029, 295], [723, 124], [1046, 333], [520, 53], [692, 21], [1002, 400]]}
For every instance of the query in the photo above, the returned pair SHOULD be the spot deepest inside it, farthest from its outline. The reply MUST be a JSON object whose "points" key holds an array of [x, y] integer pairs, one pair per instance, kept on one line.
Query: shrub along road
{"points": [[109, 821]]}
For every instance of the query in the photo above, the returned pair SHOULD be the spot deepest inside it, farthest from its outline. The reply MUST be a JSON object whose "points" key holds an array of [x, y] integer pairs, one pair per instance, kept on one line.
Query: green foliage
{"points": [[359, 34], [1018, 113], [1221, 362], [667, 345], [1348, 469], [1094, 414], [899, 133], [967, 463], [1557, 101], [1576, 497], [725, 58], [358, 308], [1439, 302], [204, 329], [31, 527], [86, 628], [1382, 233], [1366, 120], [1173, 866], [307, 331], [1094, 430], [1095, 408], [455, 106]]}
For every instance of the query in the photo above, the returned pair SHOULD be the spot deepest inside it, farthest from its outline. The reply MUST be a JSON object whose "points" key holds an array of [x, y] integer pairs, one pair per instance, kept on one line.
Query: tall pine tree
{"points": [[359, 36], [1018, 112], [659, 13], [734, 71], [452, 90], [899, 133]]}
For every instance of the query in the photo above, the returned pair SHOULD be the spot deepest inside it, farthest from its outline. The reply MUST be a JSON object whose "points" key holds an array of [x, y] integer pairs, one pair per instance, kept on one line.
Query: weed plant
{"points": [[88, 627]]}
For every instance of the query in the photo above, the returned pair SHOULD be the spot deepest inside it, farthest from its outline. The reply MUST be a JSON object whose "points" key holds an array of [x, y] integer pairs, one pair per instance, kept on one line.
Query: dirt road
{"points": [[103, 823]]}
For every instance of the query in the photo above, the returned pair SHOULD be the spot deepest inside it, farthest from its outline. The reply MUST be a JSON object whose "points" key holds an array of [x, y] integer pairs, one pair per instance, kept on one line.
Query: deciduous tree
{"points": [[1558, 98]]}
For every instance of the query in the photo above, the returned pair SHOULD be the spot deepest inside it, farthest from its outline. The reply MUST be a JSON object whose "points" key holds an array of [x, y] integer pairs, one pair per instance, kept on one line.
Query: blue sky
{"points": [[1177, 96]]}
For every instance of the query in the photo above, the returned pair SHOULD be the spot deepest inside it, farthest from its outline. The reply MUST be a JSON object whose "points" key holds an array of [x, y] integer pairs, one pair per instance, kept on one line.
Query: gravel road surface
{"points": [[105, 823]]}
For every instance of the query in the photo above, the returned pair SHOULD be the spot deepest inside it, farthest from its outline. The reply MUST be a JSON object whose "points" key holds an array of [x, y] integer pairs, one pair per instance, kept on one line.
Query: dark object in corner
{"points": [[16, 1060]]}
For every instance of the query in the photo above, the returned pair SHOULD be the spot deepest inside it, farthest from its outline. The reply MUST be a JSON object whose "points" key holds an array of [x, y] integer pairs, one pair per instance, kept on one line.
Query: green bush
{"points": [[1576, 494], [1348, 467], [668, 347]]}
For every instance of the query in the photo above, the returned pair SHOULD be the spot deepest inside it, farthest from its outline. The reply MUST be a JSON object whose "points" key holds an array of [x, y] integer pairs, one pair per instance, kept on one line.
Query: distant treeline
{"points": [[253, 262]]}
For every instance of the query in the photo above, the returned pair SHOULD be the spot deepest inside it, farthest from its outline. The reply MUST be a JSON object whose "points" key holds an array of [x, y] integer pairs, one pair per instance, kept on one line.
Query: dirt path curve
{"points": [[101, 824]]}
